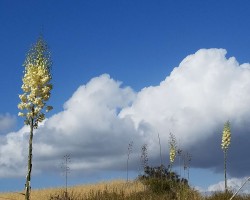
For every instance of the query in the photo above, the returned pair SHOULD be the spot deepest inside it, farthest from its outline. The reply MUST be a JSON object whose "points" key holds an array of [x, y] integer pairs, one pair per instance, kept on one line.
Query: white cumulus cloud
{"points": [[201, 93], [193, 103], [102, 117], [88, 129], [7, 122]]}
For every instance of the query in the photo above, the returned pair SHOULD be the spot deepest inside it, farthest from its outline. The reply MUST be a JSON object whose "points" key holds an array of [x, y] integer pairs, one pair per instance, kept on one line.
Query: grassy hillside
{"points": [[118, 186], [118, 190]]}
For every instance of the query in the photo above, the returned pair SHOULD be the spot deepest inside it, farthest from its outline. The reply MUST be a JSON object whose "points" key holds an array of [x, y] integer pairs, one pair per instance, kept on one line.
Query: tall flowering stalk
{"points": [[172, 149], [187, 159], [226, 140], [144, 157], [36, 91], [130, 145]]}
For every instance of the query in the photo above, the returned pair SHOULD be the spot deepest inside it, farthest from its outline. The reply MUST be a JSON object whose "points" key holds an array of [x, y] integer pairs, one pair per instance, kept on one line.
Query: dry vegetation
{"points": [[118, 186], [116, 190]]}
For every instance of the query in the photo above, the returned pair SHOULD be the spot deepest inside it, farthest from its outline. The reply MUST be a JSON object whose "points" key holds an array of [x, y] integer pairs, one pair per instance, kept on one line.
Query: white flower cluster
{"points": [[36, 84], [226, 136], [172, 154], [172, 150]]}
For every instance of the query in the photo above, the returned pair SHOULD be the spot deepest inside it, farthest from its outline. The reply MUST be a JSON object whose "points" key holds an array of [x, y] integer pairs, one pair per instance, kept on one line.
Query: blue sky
{"points": [[138, 43]]}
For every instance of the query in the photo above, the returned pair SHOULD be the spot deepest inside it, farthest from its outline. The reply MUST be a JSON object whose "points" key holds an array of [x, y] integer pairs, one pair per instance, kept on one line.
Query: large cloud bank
{"points": [[103, 116]]}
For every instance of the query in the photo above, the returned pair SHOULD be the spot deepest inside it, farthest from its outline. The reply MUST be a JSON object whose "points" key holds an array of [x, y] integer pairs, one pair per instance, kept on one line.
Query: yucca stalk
{"points": [[130, 145], [36, 87], [172, 150], [144, 157], [226, 141]]}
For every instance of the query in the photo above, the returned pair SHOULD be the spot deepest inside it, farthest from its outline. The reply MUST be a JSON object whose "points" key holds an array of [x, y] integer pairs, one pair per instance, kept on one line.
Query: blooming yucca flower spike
{"points": [[226, 136], [172, 154], [172, 149], [36, 91], [226, 141]]}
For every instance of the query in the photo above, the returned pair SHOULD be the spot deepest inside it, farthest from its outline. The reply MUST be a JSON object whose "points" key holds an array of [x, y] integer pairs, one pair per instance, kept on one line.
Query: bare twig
{"points": [[248, 179]]}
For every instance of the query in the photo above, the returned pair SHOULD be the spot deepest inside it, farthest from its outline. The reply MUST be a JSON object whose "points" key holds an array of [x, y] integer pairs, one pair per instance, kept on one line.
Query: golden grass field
{"points": [[133, 190], [43, 194]]}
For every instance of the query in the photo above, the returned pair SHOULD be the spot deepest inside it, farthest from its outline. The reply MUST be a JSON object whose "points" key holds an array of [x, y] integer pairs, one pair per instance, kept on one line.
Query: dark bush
{"points": [[161, 180]]}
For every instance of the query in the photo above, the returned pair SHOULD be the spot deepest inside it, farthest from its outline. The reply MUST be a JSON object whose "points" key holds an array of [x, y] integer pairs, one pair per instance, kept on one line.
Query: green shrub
{"points": [[162, 182]]}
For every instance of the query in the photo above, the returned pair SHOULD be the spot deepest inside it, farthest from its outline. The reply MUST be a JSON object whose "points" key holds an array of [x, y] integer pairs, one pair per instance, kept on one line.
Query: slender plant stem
{"points": [[160, 158], [66, 168], [225, 168], [127, 168], [129, 151], [28, 177], [66, 174], [160, 147]]}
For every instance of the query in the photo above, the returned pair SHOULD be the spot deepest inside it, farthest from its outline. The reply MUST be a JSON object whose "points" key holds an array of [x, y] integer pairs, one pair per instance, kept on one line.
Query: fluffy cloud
{"points": [[89, 129], [7, 122], [204, 91], [12, 153], [233, 184], [102, 117]]}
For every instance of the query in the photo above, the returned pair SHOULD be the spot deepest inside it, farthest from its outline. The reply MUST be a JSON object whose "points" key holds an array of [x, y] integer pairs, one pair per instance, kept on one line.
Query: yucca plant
{"points": [[36, 87], [130, 145], [172, 149], [144, 156], [226, 141]]}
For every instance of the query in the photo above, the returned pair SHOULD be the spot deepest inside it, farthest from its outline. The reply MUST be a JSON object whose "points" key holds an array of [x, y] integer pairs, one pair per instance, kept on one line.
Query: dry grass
{"points": [[117, 186], [116, 190]]}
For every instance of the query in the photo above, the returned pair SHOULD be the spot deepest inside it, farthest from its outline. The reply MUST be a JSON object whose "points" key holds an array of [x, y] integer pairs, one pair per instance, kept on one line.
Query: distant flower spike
{"points": [[226, 136], [172, 154], [226, 141], [172, 148]]}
